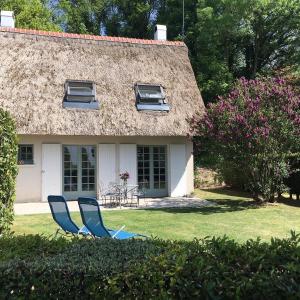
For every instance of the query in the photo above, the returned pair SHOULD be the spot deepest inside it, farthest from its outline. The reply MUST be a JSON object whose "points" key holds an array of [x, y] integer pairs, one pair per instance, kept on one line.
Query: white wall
{"points": [[107, 166], [29, 180], [178, 170], [128, 161]]}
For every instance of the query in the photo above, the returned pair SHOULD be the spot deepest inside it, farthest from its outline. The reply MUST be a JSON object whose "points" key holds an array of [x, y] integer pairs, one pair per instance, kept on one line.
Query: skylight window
{"points": [[80, 94], [150, 97]]}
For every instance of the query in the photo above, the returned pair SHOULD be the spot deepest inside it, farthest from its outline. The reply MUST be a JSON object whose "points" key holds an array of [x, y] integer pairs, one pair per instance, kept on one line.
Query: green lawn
{"points": [[233, 214]]}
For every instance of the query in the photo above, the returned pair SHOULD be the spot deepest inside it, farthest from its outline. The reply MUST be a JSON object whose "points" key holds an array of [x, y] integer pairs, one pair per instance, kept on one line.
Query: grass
{"points": [[234, 214]]}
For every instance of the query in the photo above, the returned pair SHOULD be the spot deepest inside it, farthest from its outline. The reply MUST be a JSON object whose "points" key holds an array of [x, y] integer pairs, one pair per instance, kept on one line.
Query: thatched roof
{"points": [[34, 66]]}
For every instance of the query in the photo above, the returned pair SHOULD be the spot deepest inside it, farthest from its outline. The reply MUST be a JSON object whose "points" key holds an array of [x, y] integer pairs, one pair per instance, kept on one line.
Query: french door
{"points": [[79, 169], [152, 170]]}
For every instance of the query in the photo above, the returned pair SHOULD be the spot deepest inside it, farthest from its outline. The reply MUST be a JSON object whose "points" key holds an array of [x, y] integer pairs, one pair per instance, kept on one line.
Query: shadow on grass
{"points": [[220, 206], [228, 192], [290, 202]]}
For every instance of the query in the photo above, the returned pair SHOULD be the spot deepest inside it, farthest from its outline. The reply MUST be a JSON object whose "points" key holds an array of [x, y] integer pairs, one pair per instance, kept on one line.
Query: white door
{"points": [[128, 161], [178, 184], [51, 170], [107, 165]]}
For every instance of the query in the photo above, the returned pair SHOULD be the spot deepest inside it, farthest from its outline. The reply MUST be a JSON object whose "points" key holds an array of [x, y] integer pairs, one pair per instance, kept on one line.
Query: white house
{"points": [[90, 107]]}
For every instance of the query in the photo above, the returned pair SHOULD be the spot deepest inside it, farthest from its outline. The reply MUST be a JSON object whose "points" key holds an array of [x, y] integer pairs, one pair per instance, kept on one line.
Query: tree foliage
{"points": [[235, 38], [252, 132], [8, 170], [32, 14], [111, 17]]}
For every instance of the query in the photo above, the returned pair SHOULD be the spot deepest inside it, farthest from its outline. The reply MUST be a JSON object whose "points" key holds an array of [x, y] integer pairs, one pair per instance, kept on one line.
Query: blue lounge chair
{"points": [[91, 218], [61, 216]]}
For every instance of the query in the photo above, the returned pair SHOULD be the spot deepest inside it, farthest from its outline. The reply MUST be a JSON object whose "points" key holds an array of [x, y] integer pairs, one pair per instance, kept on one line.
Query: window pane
{"points": [[79, 91], [70, 168], [67, 188], [25, 154], [74, 188], [67, 173], [80, 88], [150, 91], [88, 167]]}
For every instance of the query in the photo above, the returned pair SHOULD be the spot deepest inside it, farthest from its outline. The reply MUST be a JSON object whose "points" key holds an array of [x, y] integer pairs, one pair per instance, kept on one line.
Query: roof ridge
{"points": [[91, 37]]}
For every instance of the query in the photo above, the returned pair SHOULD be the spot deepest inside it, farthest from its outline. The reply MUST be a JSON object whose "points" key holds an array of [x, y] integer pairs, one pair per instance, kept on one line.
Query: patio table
{"points": [[124, 190]]}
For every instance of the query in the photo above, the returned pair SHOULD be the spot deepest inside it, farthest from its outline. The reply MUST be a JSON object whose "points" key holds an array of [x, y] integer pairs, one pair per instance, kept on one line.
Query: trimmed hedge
{"points": [[210, 268], [8, 170]]}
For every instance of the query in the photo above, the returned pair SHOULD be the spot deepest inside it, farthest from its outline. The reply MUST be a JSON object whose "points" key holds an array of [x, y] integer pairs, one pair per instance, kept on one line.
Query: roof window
{"points": [[150, 97], [80, 94]]}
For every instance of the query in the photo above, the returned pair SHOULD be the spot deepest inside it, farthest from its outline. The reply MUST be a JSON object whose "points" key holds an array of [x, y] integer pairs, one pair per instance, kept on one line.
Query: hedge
{"points": [[8, 170], [210, 268]]}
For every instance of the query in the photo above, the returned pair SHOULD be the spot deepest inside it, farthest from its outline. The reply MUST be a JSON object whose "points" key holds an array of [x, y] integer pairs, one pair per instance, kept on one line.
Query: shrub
{"points": [[8, 170], [215, 268], [210, 268], [253, 131], [204, 178], [30, 246], [78, 270]]}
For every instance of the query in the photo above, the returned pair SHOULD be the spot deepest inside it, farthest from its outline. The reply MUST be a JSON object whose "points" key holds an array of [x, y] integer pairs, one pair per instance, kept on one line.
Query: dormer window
{"points": [[80, 94], [150, 97]]}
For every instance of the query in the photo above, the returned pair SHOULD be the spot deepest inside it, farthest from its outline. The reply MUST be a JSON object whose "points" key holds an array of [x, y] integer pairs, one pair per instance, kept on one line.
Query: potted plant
{"points": [[124, 176]]}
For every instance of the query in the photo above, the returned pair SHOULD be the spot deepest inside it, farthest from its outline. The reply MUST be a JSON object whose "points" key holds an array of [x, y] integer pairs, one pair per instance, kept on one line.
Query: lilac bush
{"points": [[253, 130]]}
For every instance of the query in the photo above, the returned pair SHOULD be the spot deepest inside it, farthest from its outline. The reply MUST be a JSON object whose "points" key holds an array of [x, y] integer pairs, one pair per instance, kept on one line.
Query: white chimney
{"points": [[7, 19], [160, 32]]}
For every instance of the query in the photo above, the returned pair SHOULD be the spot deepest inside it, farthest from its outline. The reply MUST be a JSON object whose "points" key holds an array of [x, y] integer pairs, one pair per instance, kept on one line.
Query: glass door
{"points": [[79, 169], [152, 170]]}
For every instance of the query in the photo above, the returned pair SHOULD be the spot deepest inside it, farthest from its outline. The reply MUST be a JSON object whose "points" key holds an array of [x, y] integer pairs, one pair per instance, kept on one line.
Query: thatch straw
{"points": [[33, 70]]}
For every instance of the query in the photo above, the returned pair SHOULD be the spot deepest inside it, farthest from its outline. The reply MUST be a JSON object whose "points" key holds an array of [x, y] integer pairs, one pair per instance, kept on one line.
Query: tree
{"points": [[111, 17], [133, 18], [33, 14], [81, 16], [253, 131], [8, 170], [235, 38]]}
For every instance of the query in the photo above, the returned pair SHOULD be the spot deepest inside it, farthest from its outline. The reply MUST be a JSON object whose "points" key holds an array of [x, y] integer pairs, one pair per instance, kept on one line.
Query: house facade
{"points": [[88, 108]]}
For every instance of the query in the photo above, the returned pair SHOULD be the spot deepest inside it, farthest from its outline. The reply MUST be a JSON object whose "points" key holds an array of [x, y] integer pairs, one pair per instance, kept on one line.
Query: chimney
{"points": [[160, 32], [7, 19]]}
